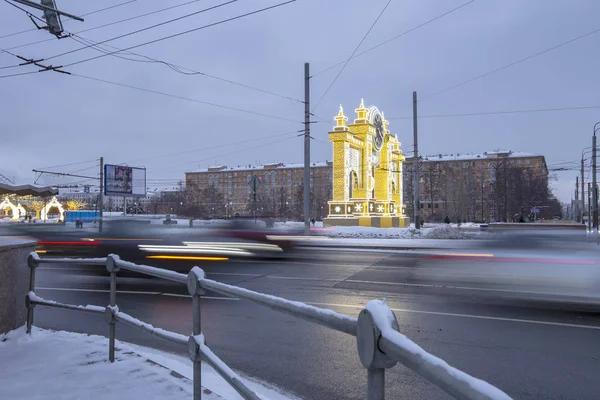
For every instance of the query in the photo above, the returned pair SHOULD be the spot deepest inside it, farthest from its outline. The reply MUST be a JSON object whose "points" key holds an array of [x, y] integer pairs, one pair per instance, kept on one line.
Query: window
{"points": [[437, 205], [520, 162], [527, 162]]}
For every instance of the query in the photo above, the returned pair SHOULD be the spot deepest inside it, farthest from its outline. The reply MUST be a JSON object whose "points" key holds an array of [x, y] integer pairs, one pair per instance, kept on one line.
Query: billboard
{"points": [[121, 180]]}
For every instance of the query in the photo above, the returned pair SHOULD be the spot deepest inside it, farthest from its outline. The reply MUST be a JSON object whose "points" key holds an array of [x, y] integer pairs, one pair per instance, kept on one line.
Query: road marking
{"points": [[505, 319], [231, 273], [299, 278], [203, 297]]}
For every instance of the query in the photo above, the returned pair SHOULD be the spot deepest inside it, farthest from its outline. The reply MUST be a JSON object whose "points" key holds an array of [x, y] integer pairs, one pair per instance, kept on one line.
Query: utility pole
{"points": [[306, 148], [576, 200], [101, 195], [589, 207], [594, 193], [416, 205], [582, 190]]}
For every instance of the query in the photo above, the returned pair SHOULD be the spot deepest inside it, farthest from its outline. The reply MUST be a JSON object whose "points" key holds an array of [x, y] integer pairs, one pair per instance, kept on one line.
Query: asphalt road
{"points": [[473, 318]]}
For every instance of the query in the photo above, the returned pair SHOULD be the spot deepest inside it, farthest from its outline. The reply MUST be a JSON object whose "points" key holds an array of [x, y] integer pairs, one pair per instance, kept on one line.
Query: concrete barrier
{"points": [[14, 281]]}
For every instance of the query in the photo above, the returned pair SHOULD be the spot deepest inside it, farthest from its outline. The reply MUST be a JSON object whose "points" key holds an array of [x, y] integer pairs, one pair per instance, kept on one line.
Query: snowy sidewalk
{"points": [[62, 365]]}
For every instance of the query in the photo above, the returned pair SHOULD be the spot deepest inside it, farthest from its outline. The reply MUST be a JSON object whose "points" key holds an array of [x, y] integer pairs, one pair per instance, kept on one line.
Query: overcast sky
{"points": [[50, 119]]}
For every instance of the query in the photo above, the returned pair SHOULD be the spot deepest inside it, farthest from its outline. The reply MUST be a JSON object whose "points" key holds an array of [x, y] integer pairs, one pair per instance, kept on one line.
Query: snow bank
{"points": [[441, 231], [62, 363]]}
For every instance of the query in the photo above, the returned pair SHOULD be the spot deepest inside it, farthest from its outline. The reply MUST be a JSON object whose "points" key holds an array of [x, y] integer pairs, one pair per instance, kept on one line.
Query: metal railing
{"points": [[380, 344]]}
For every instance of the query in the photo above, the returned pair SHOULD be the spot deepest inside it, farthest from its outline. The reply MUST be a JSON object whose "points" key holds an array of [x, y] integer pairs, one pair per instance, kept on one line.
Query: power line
{"points": [[19, 74], [215, 147], [108, 24], [230, 153], [66, 19], [398, 36], [186, 98], [539, 53], [502, 112], [143, 30], [176, 68], [352, 55], [71, 164], [180, 33]]}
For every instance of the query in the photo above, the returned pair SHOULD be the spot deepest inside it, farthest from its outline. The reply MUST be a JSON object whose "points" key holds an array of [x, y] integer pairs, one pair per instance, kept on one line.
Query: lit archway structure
{"points": [[367, 172], [14, 209], [53, 203]]}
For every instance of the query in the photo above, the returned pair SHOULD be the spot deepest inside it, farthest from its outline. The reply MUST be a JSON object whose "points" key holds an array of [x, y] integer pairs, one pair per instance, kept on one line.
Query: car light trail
{"points": [[233, 245], [188, 258], [194, 250], [123, 239], [86, 243]]}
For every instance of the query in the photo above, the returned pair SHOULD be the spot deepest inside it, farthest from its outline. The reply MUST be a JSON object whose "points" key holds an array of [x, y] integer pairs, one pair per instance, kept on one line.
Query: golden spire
{"points": [[361, 113], [341, 120]]}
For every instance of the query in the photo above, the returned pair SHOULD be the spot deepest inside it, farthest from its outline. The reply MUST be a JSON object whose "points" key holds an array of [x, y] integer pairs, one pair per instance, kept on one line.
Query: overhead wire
{"points": [[71, 164], [179, 33], [230, 153], [144, 29], [575, 108], [185, 98], [521, 60], [176, 68], [351, 55], [397, 36], [214, 147], [66, 19], [108, 24]]}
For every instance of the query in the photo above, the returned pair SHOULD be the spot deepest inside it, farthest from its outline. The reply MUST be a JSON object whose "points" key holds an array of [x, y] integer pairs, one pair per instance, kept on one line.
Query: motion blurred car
{"points": [[245, 229]]}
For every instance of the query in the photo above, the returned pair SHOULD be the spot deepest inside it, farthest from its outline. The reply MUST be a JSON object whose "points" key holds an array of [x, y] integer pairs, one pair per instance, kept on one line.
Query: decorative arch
{"points": [[53, 203], [14, 209], [352, 183]]}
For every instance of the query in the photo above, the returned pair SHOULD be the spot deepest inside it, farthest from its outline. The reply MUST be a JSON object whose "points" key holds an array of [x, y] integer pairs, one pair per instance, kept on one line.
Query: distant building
{"points": [[279, 191], [493, 186]]}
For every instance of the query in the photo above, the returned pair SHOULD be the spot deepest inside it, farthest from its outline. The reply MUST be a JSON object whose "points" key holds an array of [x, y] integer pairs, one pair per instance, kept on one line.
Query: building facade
{"points": [[493, 186], [223, 190]]}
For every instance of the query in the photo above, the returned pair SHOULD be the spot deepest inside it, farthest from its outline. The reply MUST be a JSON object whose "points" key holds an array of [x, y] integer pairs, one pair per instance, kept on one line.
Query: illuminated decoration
{"points": [[15, 210], [367, 172], [53, 203]]}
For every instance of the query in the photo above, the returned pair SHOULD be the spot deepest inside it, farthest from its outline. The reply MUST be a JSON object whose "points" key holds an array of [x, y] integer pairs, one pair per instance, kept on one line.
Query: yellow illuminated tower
{"points": [[367, 172]]}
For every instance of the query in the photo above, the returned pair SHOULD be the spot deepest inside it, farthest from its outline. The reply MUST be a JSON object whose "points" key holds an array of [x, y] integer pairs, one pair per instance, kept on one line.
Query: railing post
{"points": [[112, 267], [32, 262], [195, 290], [371, 357]]}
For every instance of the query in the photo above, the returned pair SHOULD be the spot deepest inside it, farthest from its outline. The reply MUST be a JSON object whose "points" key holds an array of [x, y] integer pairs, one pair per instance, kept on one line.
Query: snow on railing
{"points": [[322, 316], [379, 342], [34, 299], [66, 260], [129, 320], [153, 271]]}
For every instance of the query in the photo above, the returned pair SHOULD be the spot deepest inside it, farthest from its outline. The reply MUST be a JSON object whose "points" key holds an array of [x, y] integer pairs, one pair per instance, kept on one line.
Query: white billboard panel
{"points": [[120, 180]]}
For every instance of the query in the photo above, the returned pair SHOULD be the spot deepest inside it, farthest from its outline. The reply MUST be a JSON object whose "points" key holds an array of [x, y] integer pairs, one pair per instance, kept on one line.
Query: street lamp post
{"points": [[594, 190]]}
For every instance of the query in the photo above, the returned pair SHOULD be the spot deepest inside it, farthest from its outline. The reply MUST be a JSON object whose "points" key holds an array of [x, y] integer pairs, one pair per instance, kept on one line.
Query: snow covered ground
{"points": [[63, 365]]}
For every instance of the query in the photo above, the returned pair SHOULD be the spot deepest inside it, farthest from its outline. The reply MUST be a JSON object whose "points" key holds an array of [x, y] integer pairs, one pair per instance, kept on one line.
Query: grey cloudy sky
{"points": [[51, 119]]}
